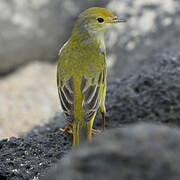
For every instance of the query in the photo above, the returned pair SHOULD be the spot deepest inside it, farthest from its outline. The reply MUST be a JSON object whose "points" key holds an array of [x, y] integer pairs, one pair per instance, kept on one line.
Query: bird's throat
{"points": [[100, 39]]}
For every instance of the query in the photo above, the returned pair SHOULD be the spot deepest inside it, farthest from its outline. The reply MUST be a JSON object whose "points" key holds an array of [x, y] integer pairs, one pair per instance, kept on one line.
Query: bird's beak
{"points": [[118, 20]]}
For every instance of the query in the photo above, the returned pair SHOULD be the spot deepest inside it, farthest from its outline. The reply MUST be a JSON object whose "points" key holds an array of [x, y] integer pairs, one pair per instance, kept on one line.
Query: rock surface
{"points": [[148, 96], [152, 95], [136, 152], [149, 93], [152, 26], [27, 157], [28, 98]]}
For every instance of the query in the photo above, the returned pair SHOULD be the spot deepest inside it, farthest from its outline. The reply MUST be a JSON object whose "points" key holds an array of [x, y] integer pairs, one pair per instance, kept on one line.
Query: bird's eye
{"points": [[100, 20]]}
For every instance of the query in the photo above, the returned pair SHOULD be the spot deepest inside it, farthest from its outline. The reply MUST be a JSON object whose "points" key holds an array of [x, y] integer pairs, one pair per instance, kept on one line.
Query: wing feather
{"points": [[91, 92], [66, 95]]}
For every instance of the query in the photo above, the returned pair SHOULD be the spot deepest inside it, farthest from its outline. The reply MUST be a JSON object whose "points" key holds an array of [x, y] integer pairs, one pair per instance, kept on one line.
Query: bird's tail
{"points": [[79, 133], [82, 132]]}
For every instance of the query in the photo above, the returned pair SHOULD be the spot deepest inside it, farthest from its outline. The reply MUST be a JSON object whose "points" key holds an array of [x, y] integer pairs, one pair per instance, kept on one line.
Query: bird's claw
{"points": [[67, 129]]}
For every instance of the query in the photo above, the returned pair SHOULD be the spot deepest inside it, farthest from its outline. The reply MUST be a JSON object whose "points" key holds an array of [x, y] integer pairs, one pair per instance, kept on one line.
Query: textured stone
{"points": [[27, 157], [152, 26], [137, 152], [150, 96]]}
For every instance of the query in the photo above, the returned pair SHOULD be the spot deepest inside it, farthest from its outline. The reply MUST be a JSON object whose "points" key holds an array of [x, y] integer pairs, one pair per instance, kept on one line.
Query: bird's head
{"points": [[98, 19]]}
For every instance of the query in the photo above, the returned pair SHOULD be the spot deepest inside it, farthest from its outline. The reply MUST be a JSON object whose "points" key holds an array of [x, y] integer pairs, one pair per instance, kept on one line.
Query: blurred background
{"points": [[32, 32]]}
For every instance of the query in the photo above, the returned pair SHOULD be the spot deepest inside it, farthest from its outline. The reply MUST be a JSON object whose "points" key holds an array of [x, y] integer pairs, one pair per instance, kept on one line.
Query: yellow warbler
{"points": [[81, 71]]}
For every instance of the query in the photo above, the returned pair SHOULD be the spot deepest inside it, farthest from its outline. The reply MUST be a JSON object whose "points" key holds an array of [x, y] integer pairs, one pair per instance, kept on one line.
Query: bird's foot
{"points": [[95, 131], [67, 129]]}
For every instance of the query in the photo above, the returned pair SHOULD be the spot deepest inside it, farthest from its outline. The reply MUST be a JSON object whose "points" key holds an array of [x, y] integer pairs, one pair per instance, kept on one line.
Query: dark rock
{"points": [[27, 157], [137, 152], [152, 95]]}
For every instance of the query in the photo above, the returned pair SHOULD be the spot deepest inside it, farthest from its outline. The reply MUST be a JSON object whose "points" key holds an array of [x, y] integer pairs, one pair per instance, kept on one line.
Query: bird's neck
{"points": [[83, 35]]}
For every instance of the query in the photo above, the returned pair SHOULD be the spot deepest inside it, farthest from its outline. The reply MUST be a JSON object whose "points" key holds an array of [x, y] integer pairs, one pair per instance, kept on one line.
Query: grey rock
{"points": [[35, 30], [152, 27], [31, 102], [151, 95], [27, 157], [136, 152]]}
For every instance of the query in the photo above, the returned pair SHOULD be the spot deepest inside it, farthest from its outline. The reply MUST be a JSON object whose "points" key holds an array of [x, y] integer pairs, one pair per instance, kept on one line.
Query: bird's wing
{"points": [[66, 96], [91, 90]]}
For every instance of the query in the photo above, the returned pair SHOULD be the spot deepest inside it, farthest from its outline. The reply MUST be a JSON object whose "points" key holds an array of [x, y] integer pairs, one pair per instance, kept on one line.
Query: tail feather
{"points": [[80, 133]]}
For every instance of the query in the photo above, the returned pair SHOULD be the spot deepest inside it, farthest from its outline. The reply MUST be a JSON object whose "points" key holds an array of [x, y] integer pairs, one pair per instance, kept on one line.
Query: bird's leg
{"points": [[89, 127], [67, 129], [103, 120]]}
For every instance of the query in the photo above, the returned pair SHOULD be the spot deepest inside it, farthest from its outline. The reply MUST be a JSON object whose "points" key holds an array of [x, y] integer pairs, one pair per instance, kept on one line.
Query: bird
{"points": [[82, 72]]}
